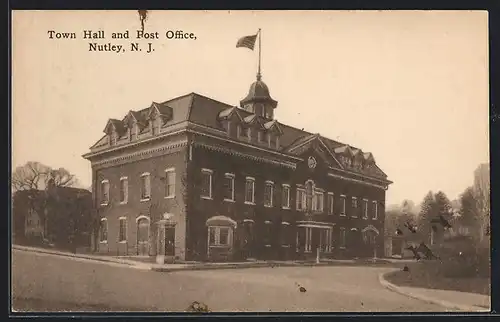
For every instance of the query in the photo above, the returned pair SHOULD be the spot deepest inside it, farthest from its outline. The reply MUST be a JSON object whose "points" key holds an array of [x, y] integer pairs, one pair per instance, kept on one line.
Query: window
{"points": [[365, 209], [285, 196], [238, 131], [285, 234], [155, 126], [330, 202], [114, 137], [123, 190], [122, 236], [250, 190], [103, 231], [301, 199], [260, 137], [104, 192], [354, 207], [272, 141], [248, 134], [228, 127], [145, 186], [269, 139], [325, 240], [143, 230], [170, 183], [229, 187], [268, 194], [318, 202], [277, 142], [375, 210], [206, 183], [342, 237], [135, 132], [219, 236], [224, 236], [342, 203], [267, 233]]}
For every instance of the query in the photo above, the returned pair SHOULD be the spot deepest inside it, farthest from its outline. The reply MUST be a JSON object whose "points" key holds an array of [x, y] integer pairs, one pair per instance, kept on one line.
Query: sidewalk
{"points": [[454, 300], [138, 264], [100, 258]]}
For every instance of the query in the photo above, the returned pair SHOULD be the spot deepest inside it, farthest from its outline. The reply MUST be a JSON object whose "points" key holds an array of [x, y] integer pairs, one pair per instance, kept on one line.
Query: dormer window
{"points": [[269, 139], [228, 127], [238, 131], [269, 113], [114, 137], [247, 133], [155, 125], [135, 131]]}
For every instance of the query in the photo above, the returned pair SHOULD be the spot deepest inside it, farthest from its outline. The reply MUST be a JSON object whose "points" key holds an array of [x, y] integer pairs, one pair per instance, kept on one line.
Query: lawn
{"points": [[428, 274]]}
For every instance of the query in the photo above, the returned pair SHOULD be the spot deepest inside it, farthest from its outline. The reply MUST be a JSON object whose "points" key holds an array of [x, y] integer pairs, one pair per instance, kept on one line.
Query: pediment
{"points": [[316, 147], [273, 126], [229, 114]]}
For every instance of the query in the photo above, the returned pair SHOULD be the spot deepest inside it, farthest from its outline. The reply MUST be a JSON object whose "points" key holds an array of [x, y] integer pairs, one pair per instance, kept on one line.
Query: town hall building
{"points": [[196, 179]]}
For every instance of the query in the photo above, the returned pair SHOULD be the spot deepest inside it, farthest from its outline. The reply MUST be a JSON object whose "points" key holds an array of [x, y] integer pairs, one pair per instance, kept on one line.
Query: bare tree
{"points": [[61, 177], [29, 176], [482, 194], [35, 175]]}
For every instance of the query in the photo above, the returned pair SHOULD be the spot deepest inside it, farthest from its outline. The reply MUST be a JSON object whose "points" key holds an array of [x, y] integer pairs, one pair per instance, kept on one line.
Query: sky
{"points": [[409, 86]]}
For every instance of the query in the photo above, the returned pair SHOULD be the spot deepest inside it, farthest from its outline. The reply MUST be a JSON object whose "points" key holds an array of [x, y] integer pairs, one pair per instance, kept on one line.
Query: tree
{"points": [[469, 209], [35, 175], [61, 178], [426, 214], [482, 195], [30, 176]]}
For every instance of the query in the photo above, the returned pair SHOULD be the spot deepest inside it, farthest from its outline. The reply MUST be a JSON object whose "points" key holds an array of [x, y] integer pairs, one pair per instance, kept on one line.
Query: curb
{"points": [[44, 251], [446, 304]]}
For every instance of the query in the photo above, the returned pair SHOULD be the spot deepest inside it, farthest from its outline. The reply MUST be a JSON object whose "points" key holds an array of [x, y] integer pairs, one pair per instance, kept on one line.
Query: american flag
{"points": [[247, 41]]}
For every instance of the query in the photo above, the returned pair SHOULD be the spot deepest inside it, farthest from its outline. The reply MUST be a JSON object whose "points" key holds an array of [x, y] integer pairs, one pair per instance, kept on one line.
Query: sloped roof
{"points": [[206, 111]]}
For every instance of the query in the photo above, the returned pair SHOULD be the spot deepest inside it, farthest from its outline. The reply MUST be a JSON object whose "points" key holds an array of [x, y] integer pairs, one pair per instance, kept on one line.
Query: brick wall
{"points": [[155, 207]]}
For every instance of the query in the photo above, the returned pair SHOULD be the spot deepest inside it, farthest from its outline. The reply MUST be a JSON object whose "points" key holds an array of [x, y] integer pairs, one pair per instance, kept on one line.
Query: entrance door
{"points": [[248, 240], [143, 237], [169, 241]]}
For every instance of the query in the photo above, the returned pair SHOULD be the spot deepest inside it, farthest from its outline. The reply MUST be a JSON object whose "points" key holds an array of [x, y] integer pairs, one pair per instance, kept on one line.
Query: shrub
{"points": [[463, 257]]}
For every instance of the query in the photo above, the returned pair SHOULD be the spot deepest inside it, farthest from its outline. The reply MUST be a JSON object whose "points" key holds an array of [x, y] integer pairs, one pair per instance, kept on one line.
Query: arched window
{"points": [[142, 230]]}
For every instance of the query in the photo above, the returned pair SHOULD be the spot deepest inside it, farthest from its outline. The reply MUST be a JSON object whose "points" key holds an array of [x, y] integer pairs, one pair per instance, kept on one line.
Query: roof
{"points": [[258, 92], [205, 111]]}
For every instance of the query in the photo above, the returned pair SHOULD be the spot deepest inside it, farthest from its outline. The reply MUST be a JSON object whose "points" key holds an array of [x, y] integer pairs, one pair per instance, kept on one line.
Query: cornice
{"points": [[384, 187], [245, 155], [129, 156]]}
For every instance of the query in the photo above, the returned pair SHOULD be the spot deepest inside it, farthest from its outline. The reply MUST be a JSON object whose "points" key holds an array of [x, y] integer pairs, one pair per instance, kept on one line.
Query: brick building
{"points": [[198, 179]]}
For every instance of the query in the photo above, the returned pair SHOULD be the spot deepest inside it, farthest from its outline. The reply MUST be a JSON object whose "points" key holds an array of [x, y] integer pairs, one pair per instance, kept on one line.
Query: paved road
{"points": [[40, 280]]}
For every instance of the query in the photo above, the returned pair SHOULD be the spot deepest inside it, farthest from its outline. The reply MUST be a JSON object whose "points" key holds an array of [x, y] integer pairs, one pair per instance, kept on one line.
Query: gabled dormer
{"points": [[135, 123], [358, 159], [273, 133], [346, 155], [157, 116], [369, 161], [114, 129], [230, 119]]}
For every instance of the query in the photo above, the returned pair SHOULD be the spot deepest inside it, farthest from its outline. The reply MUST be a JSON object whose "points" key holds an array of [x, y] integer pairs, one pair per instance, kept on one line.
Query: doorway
{"points": [[169, 241]]}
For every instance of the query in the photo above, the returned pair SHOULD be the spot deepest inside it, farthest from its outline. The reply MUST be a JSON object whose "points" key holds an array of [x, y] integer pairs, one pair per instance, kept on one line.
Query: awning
{"points": [[221, 221], [370, 227]]}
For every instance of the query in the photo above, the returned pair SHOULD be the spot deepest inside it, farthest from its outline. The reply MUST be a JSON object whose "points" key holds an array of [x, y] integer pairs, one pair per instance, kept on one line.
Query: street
{"points": [[48, 282]]}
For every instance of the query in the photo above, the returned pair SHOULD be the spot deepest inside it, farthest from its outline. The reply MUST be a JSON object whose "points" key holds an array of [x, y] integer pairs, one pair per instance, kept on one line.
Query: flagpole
{"points": [[258, 73]]}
